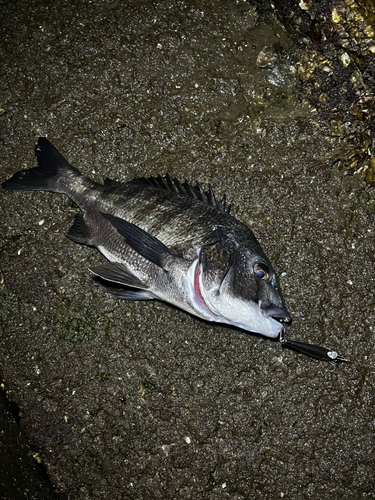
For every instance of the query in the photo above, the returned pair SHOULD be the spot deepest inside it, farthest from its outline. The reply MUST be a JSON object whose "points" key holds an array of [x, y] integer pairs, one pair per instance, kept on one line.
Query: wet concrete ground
{"points": [[22, 474], [140, 400]]}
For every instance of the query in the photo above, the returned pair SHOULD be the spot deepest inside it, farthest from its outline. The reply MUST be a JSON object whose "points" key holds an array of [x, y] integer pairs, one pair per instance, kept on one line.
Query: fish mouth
{"points": [[270, 310]]}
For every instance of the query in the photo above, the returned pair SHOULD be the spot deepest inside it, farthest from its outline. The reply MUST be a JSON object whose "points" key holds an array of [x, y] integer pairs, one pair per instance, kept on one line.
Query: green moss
{"points": [[102, 377], [81, 327], [280, 99], [148, 385]]}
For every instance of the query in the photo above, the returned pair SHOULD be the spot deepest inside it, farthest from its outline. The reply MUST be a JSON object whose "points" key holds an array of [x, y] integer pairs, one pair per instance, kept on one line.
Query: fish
{"points": [[166, 240]]}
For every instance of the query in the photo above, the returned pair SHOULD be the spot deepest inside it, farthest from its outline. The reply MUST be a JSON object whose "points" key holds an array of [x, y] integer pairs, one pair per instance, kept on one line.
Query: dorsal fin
{"points": [[167, 183]]}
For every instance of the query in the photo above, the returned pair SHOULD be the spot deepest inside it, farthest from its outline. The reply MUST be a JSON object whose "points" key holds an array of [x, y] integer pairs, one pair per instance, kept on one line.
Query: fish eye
{"points": [[261, 271]]}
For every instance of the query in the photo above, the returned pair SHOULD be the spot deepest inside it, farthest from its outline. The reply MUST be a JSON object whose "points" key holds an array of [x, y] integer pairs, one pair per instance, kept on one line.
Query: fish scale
{"points": [[167, 240], [171, 241]]}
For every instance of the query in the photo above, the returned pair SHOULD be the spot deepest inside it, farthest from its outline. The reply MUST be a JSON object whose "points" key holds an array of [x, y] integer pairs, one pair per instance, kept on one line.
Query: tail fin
{"points": [[52, 166]]}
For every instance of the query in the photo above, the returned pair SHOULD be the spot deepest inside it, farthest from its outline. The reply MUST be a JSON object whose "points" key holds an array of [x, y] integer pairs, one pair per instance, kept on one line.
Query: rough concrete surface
{"points": [[140, 400]]}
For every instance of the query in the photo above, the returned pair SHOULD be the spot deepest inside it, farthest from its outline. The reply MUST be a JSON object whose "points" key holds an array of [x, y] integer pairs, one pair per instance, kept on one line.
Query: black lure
{"points": [[312, 350]]}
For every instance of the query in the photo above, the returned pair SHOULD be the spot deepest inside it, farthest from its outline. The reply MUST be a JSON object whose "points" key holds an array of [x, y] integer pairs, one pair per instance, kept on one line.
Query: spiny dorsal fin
{"points": [[186, 189]]}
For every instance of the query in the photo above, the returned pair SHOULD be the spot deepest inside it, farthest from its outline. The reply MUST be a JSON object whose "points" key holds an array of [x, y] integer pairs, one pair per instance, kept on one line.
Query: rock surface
{"points": [[140, 400]]}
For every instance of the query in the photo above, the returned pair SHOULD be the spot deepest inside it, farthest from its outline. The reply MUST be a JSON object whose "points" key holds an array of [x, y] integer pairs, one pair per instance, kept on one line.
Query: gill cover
{"points": [[233, 293]]}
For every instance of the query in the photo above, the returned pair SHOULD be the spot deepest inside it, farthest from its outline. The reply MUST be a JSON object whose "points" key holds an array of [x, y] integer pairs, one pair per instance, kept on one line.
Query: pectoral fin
{"points": [[142, 242]]}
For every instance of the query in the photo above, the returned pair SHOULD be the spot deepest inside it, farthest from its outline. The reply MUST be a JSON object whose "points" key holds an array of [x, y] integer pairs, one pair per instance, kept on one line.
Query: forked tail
{"points": [[53, 167]]}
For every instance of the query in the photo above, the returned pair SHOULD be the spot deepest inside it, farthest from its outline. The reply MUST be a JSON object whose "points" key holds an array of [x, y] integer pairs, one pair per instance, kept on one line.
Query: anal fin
{"points": [[122, 293], [118, 273], [79, 232]]}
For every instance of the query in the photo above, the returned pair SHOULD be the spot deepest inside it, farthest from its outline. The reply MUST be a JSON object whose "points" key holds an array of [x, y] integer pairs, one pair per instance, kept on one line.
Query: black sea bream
{"points": [[168, 241]]}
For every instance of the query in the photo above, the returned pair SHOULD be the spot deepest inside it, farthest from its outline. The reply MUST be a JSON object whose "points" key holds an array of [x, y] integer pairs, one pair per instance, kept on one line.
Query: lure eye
{"points": [[261, 272]]}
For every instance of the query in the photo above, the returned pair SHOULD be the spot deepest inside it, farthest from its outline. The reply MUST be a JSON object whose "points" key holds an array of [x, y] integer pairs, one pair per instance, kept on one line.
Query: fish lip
{"points": [[270, 310]]}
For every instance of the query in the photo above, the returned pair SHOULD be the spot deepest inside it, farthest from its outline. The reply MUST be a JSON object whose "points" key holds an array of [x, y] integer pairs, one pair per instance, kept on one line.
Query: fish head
{"points": [[239, 285]]}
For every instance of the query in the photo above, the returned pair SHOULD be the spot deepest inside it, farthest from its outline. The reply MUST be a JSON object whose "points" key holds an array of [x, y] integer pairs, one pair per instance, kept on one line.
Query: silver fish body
{"points": [[168, 241]]}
